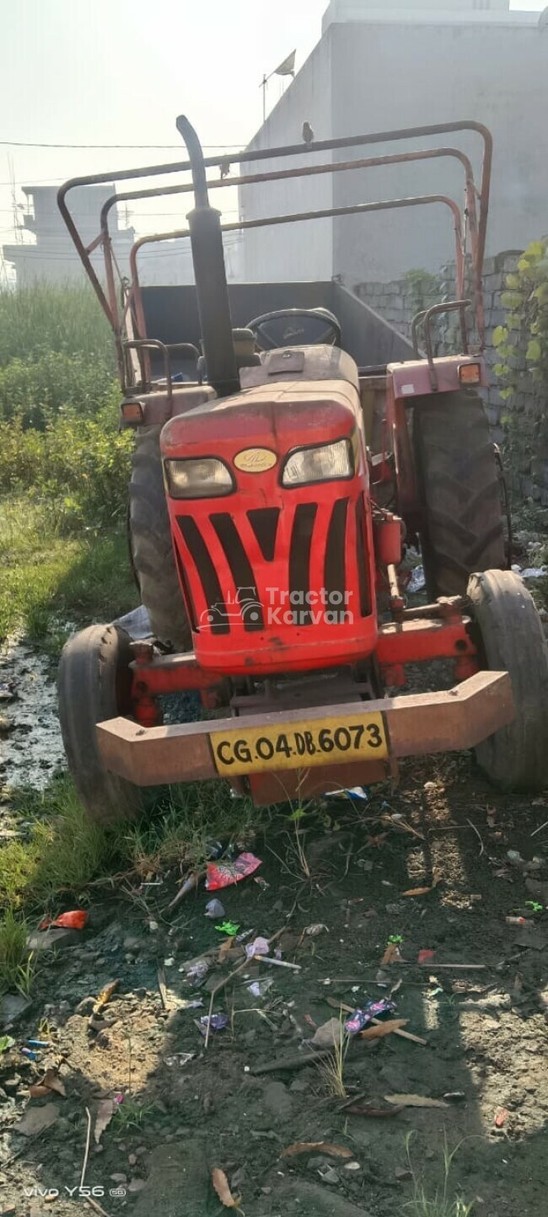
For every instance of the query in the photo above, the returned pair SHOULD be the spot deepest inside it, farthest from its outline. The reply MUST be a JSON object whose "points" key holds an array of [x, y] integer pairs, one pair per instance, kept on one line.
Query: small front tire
{"points": [[93, 685]]}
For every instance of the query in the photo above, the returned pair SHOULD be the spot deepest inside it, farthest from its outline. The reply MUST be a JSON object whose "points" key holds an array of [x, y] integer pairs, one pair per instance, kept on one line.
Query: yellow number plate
{"points": [[297, 745]]}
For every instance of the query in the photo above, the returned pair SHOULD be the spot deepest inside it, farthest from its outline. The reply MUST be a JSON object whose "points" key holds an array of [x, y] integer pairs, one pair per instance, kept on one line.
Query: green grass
{"points": [[445, 1201], [45, 318], [49, 579], [66, 853], [13, 953], [190, 818], [64, 470]]}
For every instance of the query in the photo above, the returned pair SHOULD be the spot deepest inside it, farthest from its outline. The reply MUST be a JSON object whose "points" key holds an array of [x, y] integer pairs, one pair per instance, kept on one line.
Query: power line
{"points": [[12, 143]]}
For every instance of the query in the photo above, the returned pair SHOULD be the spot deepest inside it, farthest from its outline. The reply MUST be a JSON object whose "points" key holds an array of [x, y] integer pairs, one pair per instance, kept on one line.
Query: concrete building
{"points": [[51, 255], [407, 63]]}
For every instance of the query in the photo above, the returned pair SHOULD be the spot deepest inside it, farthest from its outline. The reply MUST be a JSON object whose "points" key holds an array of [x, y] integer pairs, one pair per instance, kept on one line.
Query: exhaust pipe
{"points": [[206, 240]]}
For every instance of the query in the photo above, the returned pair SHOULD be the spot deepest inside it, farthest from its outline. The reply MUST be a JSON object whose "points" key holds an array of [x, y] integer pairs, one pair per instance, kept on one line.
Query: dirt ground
{"points": [[187, 1109]]}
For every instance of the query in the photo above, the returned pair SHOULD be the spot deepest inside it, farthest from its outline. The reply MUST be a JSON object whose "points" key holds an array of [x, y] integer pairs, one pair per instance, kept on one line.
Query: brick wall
{"points": [[400, 300]]}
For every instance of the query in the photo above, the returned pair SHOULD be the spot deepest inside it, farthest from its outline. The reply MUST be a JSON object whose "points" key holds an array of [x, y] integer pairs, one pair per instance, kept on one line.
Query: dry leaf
{"points": [[379, 1030], [325, 1147], [105, 996], [225, 949], [414, 1100], [105, 1112], [419, 891], [50, 1081], [501, 1116], [392, 954], [222, 1188], [38, 1091]]}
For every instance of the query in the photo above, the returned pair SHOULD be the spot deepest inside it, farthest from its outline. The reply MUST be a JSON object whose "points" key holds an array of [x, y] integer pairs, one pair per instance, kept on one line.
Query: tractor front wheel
{"points": [[150, 545], [94, 684], [511, 636]]}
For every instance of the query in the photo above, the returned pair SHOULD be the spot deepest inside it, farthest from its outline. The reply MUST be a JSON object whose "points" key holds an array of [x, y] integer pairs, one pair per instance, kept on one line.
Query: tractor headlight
{"points": [[198, 478], [321, 464]]}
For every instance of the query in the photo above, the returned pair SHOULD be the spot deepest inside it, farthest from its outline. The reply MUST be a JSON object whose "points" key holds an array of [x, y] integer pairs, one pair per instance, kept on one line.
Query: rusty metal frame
{"points": [[300, 171], [476, 224], [266, 221]]}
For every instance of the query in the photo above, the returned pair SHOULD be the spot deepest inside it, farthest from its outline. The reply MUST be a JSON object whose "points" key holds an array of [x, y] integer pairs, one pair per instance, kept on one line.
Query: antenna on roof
{"points": [[285, 68]]}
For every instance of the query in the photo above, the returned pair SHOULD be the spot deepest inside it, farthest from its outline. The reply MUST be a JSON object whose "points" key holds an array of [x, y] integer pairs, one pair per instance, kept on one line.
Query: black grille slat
{"points": [[191, 608], [361, 555], [206, 570], [264, 522], [244, 580], [335, 557], [299, 560]]}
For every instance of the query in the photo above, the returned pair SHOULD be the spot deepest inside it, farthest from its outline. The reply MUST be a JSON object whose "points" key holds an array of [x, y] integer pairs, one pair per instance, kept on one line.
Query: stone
{"points": [[49, 940], [136, 1185], [12, 1007], [300, 1085], [37, 1119], [131, 943], [12, 1084], [329, 1175], [277, 1099], [402, 1173], [85, 1006]]}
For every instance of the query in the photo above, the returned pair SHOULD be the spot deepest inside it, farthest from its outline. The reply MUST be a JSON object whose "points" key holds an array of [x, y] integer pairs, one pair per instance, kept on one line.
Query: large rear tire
{"points": [[512, 639], [151, 546], [93, 684], [459, 486]]}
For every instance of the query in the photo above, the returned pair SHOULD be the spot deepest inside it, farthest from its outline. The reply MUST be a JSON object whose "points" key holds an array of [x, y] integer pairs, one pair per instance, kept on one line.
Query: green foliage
{"points": [[522, 363], [49, 577], [58, 419], [13, 940], [424, 289], [34, 391], [66, 319], [82, 464]]}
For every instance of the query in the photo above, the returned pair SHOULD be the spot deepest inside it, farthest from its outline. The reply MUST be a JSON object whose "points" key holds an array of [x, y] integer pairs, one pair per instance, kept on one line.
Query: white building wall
{"points": [[300, 251], [408, 66], [410, 75]]}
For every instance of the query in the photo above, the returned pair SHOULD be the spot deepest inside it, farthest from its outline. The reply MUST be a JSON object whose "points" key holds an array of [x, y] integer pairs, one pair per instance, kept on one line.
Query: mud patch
{"points": [[31, 748]]}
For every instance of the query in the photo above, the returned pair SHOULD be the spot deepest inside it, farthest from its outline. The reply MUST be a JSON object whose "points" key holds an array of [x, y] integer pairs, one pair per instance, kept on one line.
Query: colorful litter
{"points": [[224, 874], [364, 1016]]}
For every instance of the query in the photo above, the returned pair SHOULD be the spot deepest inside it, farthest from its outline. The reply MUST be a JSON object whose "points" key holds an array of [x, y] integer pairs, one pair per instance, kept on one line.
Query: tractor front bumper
{"points": [[369, 735]]}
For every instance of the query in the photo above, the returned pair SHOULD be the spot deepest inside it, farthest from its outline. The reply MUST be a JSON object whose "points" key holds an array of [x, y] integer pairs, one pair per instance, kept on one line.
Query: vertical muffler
{"points": [[206, 240]]}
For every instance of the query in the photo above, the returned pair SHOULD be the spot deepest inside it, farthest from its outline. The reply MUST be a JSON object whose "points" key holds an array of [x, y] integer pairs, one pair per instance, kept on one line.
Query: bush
{"points": [[58, 406], [522, 353], [34, 392], [82, 463], [63, 318]]}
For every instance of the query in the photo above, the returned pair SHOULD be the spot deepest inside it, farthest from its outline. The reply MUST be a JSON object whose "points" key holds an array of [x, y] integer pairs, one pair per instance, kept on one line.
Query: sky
{"points": [[120, 71]]}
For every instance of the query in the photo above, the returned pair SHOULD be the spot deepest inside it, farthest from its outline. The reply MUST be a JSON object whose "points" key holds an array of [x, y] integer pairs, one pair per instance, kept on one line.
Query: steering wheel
{"points": [[290, 327]]}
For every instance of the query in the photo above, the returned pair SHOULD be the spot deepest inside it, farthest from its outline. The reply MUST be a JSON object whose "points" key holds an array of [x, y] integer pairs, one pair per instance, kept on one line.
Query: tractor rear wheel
{"points": [[512, 639], [459, 487], [150, 544], [94, 684]]}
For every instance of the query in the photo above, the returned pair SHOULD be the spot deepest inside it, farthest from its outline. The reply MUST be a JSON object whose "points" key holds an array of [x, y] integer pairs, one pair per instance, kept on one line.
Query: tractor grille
{"points": [[317, 551]]}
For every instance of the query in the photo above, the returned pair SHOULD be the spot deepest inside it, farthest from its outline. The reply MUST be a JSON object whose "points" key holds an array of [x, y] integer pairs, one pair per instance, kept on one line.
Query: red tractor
{"points": [[281, 469]]}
